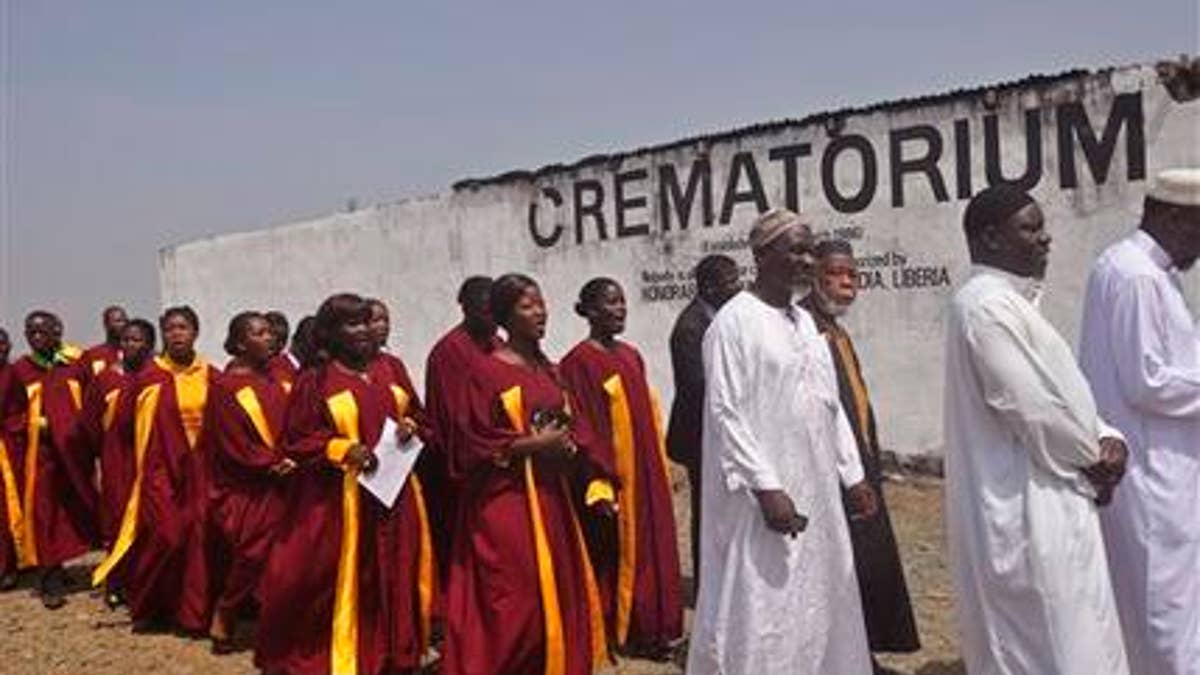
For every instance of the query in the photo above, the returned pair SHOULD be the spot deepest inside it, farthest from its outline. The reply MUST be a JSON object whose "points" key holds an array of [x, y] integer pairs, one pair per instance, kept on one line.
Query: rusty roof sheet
{"points": [[1039, 80]]}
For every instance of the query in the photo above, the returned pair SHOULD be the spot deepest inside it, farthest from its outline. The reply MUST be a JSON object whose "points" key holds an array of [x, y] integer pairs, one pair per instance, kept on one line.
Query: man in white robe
{"points": [[778, 592], [1139, 350], [1025, 465]]}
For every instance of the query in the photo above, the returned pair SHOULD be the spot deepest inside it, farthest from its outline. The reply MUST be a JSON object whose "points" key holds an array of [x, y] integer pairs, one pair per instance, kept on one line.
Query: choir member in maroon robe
{"points": [[286, 365], [95, 359], [349, 582], [279, 331], [521, 594], [451, 358], [165, 518], [882, 587], [249, 469], [58, 493], [10, 473], [106, 430], [639, 575]]}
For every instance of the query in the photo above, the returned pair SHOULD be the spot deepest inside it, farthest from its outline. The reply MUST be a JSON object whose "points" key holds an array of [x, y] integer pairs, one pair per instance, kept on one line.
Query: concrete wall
{"points": [[893, 177]]}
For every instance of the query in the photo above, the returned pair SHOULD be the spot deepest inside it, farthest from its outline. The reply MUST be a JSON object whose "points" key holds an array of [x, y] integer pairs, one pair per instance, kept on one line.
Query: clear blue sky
{"points": [[133, 125]]}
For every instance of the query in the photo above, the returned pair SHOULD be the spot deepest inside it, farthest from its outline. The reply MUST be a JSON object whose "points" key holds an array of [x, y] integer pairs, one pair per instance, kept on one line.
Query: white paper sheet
{"points": [[395, 463]]}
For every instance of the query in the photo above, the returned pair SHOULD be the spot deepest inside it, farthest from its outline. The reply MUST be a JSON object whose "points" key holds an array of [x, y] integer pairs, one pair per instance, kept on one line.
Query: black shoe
{"points": [[52, 588], [9, 581], [53, 599], [114, 599], [222, 647]]}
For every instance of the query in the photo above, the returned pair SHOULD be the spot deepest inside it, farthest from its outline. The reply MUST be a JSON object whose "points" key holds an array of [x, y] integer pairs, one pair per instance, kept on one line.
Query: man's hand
{"points": [[605, 508], [362, 458], [1108, 472], [780, 513], [863, 500], [283, 467], [405, 429]]}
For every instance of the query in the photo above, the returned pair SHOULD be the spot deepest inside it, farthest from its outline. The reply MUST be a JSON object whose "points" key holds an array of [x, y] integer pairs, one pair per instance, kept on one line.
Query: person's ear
{"points": [[991, 239]]}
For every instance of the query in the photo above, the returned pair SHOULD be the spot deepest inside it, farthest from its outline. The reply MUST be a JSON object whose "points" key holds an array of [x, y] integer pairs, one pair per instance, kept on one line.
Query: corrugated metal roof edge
{"points": [[1036, 80]]}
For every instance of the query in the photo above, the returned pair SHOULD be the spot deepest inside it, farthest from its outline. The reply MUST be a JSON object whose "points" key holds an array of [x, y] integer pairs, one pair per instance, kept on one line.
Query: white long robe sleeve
{"points": [[1139, 350], [1030, 381], [769, 603], [1027, 555], [849, 462], [743, 462], [1153, 379]]}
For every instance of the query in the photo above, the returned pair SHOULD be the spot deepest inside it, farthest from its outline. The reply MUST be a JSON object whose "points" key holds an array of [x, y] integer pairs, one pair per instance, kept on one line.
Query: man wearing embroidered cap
{"points": [[778, 592], [1029, 463], [1139, 349]]}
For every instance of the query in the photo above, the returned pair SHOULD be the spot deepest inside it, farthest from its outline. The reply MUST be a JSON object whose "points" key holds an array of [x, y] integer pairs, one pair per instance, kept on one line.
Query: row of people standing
{"points": [[1073, 483], [537, 526]]}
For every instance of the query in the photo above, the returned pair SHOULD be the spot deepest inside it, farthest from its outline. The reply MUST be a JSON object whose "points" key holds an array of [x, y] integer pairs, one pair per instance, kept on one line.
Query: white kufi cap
{"points": [[1180, 187]]}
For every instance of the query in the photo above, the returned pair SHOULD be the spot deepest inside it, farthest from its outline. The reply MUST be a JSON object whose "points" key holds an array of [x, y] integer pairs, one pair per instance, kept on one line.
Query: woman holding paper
{"points": [[521, 595], [246, 411], [639, 575], [349, 582]]}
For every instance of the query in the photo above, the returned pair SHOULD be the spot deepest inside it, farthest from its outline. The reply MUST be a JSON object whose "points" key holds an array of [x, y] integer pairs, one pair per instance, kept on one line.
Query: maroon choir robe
{"points": [[105, 432], [170, 578], [284, 369], [882, 588], [247, 411], [446, 378], [349, 584], [521, 594], [640, 579], [58, 495], [96, 360], [11, 472]]}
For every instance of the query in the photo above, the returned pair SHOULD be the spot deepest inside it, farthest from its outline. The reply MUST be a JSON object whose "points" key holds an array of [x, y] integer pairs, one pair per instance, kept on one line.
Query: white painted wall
{"points": [[414, 253]]}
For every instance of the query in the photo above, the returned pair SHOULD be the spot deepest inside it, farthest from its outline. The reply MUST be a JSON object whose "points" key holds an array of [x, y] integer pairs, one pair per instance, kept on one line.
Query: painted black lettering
{"points": [[1073, 123], [545, 241], [861, 199], [624, 204], [594, 208], [1033, 151], [673, 200], [789, 155], [926, 164], [962, 158], [743, 163]]}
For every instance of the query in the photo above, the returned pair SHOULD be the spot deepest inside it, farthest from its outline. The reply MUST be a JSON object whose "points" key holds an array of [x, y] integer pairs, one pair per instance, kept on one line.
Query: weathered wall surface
{"points": [[894, 178]]}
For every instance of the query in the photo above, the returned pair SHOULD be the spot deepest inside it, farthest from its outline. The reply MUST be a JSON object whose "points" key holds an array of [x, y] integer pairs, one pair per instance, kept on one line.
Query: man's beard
{"points": [[834, 308]]}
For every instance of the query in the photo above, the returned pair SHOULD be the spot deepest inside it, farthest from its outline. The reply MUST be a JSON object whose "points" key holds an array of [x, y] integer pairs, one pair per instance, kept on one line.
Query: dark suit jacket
{"points": [[687, 409]]}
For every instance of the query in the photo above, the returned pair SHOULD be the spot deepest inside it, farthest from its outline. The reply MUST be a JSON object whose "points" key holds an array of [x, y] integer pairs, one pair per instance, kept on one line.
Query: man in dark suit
{"points": [[716, 282], [883, 590]]}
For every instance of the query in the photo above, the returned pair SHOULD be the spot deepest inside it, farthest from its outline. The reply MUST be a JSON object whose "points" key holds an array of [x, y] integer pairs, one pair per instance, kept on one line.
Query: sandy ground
{"points": [[85, 637]]}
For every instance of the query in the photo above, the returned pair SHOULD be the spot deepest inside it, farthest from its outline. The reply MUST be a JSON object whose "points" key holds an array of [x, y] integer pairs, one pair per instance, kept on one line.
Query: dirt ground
{"points": [[85, 637]]}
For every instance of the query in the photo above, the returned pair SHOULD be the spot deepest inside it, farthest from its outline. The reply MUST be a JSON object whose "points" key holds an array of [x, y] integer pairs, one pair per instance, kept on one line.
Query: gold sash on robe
{"points": [[344, 640], [556, 656]]}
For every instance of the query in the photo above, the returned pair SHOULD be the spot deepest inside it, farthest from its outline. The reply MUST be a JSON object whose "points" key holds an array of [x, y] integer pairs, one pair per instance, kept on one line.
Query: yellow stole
{"points": [[556, 654], [12, 503], [110, 408], [143, 423], [191, 392], [35, 420], [858, 388], [248, 400], [343, 653], [624, 451]]}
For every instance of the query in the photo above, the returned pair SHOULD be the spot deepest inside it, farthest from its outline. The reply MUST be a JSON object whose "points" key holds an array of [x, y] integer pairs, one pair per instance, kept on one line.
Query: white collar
{"points": [[1152, 248], [1030, 288]]}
